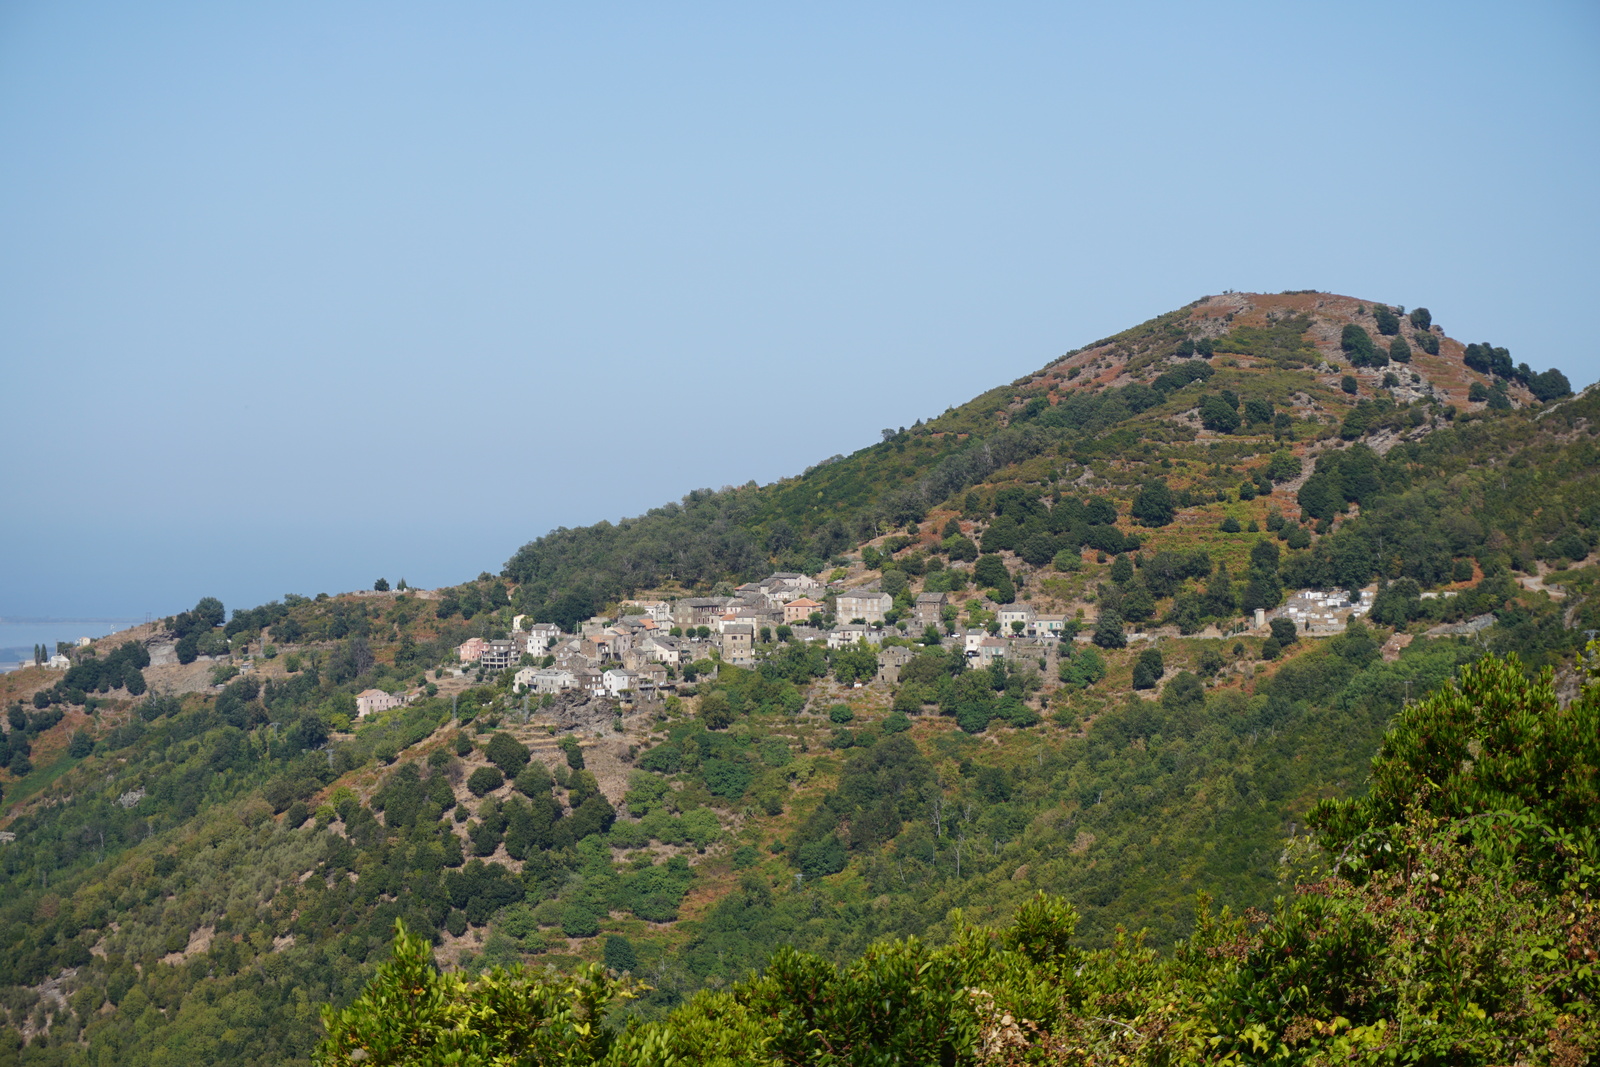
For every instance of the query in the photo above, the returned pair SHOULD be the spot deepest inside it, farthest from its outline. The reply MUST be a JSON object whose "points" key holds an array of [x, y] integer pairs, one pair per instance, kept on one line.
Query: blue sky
{"points": [[297, 295]]}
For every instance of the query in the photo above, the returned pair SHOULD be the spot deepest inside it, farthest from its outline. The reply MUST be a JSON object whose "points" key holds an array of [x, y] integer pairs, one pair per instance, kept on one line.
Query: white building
{"points": [[1047, 626], [990, 649], [847, 636], [617, 682], [541, 635], [1013, 613]]}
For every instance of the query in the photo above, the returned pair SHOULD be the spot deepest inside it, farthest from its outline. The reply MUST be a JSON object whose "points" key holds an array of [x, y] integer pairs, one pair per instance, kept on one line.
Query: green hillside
{"points": [[1453, 924], [205, 854], [1105, 418]]}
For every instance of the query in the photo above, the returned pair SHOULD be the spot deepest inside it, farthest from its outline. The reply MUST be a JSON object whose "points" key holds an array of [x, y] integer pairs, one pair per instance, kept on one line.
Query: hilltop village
{"points": [[643, 651], [1115, 632]]}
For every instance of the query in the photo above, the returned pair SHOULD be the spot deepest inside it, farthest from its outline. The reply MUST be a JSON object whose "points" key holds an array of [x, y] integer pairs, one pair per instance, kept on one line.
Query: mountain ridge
{"points": [[700, 831]]}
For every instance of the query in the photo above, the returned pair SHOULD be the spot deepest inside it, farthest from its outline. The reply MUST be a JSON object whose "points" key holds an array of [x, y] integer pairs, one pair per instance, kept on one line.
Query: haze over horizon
{"points": [[293, 298]]}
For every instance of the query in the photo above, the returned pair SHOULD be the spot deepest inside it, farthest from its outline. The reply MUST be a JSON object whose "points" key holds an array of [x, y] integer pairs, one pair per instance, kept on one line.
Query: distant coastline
{"points": [[19, 633]]}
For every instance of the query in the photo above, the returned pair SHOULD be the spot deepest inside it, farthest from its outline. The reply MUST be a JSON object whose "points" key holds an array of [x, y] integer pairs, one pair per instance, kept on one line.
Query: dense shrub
{"points": [[1154, 505], [1148, 669], [507, 753], [1360, 349], [485, 780]]}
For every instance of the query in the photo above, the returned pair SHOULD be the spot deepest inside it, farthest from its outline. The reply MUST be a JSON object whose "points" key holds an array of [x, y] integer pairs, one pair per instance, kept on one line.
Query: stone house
{"points": [[373, 700], [738, 644], [929, 608], [698, 610], [650, 679], [890, 660], [615, 641], [745, 616], [545, 679], [589, 680], [573, 655], [657, 611], [660, 648], [867, 605], [1028, 649], [790, 581]]}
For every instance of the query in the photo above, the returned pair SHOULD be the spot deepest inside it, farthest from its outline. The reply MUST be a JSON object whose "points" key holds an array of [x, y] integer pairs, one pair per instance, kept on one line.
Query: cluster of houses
{"points": [[634, 654], [637, 655], [1316, 612]]}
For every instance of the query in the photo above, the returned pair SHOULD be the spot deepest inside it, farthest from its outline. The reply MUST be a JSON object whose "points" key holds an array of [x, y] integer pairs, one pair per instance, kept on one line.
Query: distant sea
{"points": [[18, 638]]}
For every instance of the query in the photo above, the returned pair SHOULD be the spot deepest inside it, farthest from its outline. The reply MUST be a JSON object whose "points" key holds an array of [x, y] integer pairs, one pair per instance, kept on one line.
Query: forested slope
{"points": [[1448, 917], [202, 857]]}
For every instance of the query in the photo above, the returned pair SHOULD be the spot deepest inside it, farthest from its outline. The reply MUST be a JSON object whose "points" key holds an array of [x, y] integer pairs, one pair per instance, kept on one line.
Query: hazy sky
{"points": [[295, 295]]}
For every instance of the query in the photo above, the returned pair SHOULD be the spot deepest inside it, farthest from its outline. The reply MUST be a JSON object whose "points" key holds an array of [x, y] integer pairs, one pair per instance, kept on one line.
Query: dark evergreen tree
{"points": [[1108, 631], [507, 753], [485, 780], [1218, 416], [1357, 345], [1551, 385], [619, 954], [1148, 669], [1154, 506], [990, 571]]}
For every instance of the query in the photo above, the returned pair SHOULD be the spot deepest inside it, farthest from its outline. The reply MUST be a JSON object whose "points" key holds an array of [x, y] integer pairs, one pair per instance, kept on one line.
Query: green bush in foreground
{"points": [[1452, 920]]}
